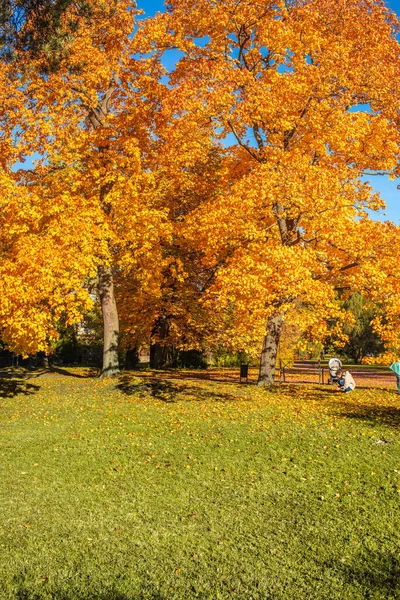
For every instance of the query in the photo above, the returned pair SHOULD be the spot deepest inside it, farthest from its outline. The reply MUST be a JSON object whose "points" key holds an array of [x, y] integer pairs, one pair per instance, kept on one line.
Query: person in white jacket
{"points": [[346, 381]]}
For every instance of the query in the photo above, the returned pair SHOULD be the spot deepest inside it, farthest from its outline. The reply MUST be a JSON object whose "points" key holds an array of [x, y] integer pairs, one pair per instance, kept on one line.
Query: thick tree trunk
{"points": [[131, 358], [158, 356], [111, 323], [269, 351], [161, 353]]}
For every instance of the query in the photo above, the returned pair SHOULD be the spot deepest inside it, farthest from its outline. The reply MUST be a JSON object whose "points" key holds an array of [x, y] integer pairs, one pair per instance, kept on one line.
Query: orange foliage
{"points": [[90, 199], [284, 85], [232, 194]]}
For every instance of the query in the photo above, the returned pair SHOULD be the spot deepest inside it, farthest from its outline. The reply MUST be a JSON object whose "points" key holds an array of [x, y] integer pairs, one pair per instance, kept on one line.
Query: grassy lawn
{"points": [[182, 489]]}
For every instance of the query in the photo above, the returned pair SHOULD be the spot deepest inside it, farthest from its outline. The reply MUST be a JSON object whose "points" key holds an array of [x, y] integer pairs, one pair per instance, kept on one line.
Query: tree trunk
{"points": [[157, 356], [161, 353], [111, 323], [269, 351], [131, 358]]}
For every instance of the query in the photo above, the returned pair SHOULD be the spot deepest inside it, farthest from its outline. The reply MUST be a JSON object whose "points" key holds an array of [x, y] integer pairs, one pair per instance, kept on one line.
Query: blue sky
{"points": [[387, 189]]}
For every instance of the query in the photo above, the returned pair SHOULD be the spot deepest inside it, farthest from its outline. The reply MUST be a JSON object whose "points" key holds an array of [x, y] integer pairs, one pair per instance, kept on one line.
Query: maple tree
{"points": [[215, 206], [302, 93], [176, 319], [94, 206]]}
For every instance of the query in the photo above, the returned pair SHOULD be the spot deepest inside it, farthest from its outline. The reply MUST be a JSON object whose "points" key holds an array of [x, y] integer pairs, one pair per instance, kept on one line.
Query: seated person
{"points": [[346, 381]]}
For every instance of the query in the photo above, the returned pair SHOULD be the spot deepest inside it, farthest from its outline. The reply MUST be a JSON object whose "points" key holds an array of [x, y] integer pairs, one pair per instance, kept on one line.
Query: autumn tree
{"points": [[302, 94], [37, 283], [89, 123], [229, 200], [175, 318]]}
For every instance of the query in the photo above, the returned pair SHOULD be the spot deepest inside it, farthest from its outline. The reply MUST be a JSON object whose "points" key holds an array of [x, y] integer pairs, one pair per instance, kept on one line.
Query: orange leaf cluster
{"points": [[223, 194]]}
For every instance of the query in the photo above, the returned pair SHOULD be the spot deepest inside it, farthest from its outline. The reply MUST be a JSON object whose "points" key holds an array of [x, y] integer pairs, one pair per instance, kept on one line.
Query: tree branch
{"points": [[245, 146]]}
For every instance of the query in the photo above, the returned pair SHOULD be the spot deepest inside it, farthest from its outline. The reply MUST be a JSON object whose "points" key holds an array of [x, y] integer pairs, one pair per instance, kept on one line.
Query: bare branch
{"points": [[258, 137], [243, 145]]}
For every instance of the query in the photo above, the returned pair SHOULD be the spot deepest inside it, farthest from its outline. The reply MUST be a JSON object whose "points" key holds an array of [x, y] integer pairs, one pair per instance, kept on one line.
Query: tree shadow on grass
{"points": [[91, 372], [217, 376], [171, 391], [10, 388], [297, 390], [347, 406], [375, 414], [381, 574]]}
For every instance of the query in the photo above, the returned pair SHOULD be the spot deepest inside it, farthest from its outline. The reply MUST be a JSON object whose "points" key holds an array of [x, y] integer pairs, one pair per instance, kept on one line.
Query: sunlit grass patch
{"points": [[161, 488]]}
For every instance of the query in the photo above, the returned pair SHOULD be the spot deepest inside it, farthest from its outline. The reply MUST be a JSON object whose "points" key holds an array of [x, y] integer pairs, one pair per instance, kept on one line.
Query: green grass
{"points": [[146, 489]]}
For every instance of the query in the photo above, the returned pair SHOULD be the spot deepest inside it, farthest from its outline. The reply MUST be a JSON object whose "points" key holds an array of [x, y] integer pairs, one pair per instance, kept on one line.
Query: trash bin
{"points": [[244, 373]]}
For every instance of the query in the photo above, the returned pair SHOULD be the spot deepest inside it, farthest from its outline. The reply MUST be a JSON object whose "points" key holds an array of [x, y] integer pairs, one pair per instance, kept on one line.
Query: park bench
{"points": [[305, 368]]}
